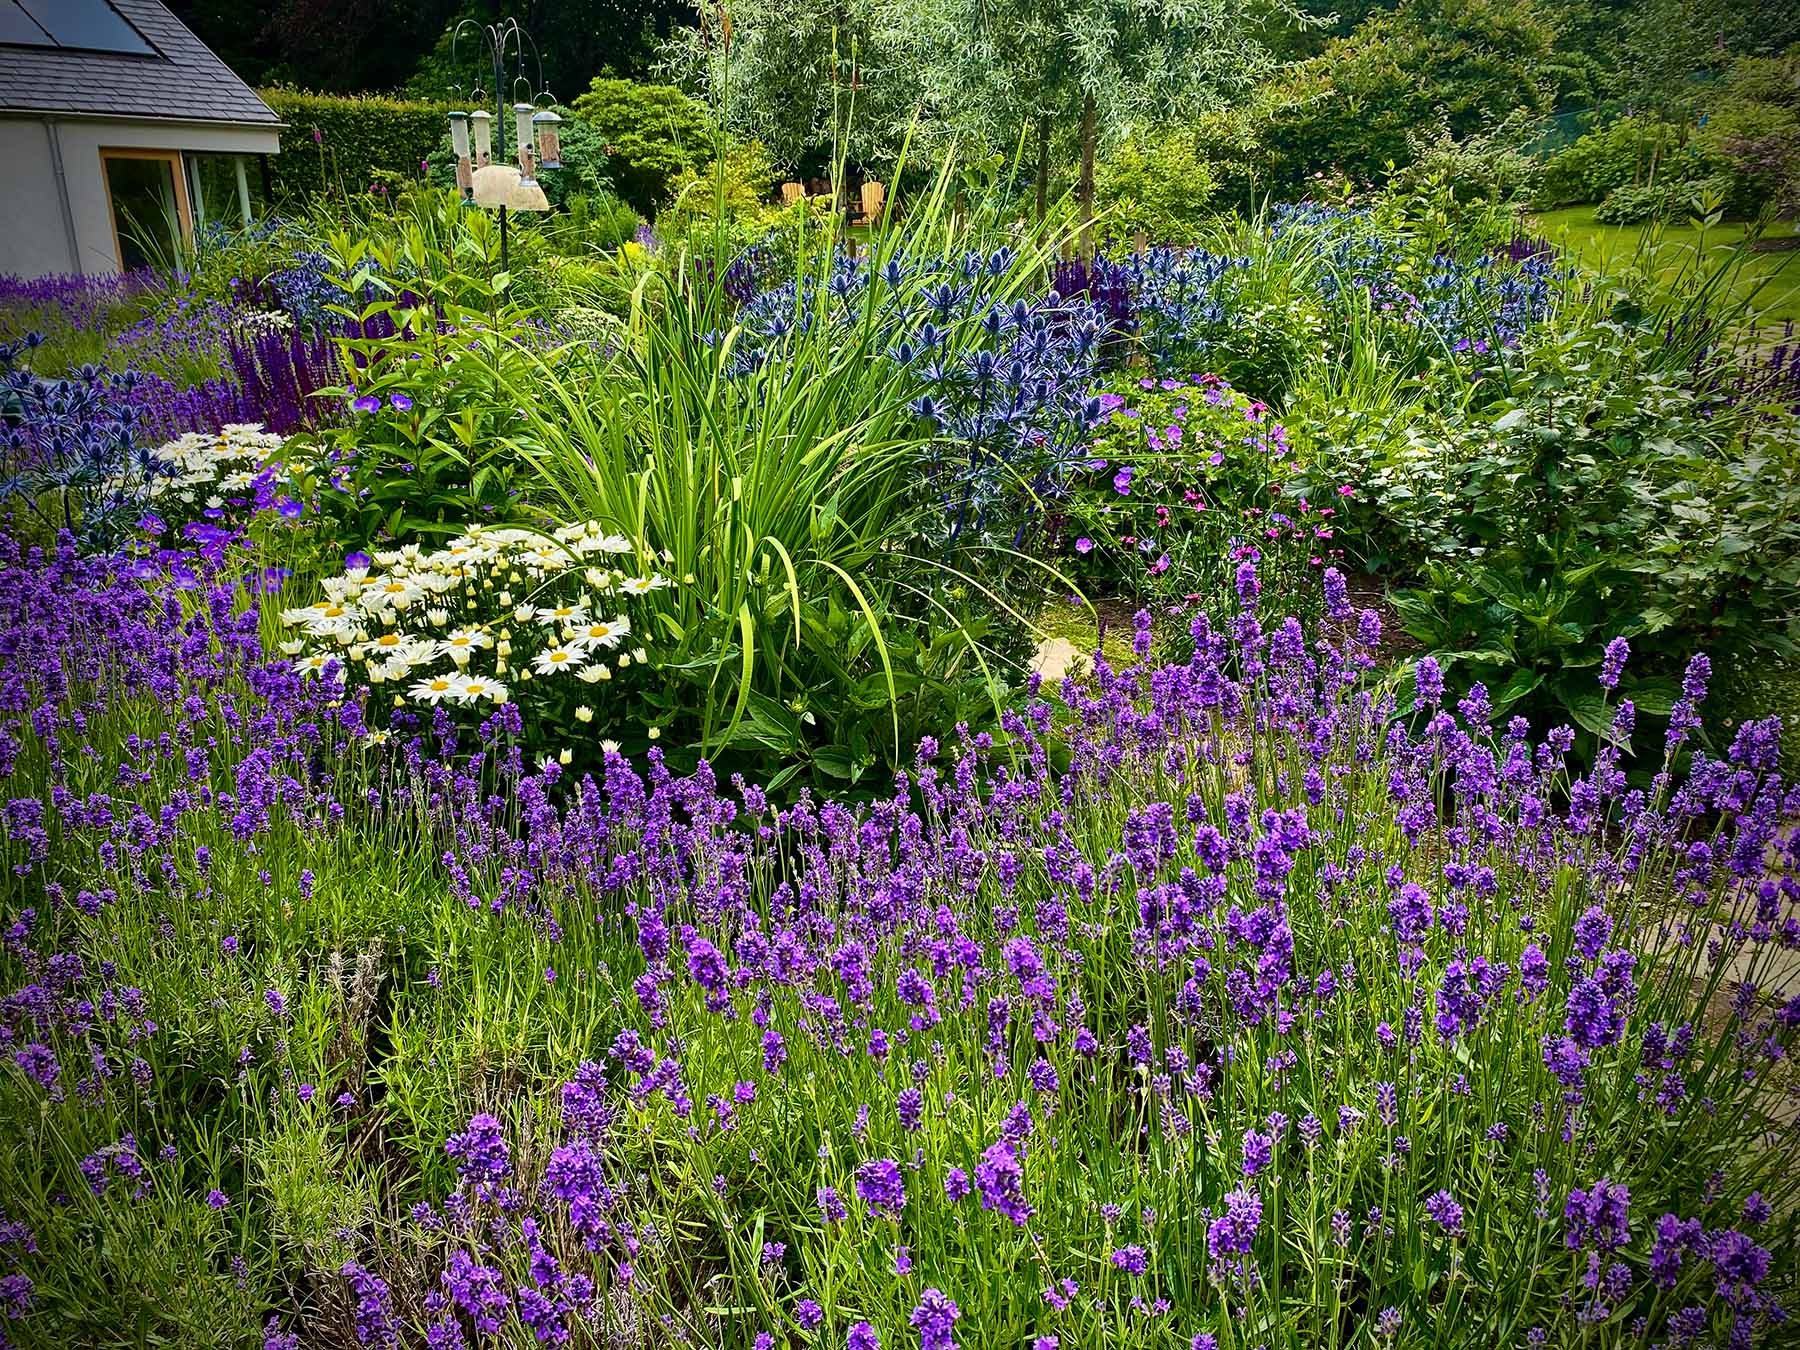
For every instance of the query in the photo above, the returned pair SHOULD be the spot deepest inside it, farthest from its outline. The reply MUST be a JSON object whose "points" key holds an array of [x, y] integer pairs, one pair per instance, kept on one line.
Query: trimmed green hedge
{"points": [[361, 139]]}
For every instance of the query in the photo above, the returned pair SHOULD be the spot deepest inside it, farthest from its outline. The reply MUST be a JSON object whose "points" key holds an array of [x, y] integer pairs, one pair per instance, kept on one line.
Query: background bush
{"points": [[1158, 183], [651, 131], [359, 140]]}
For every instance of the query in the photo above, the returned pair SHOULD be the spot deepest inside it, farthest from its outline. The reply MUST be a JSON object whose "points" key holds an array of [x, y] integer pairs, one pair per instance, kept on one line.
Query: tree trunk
{"points": [[1087, 175], [1043, 167]]}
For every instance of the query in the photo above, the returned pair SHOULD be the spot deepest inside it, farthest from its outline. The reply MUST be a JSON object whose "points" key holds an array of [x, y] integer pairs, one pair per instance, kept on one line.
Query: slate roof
{"points": [[185, 82]]}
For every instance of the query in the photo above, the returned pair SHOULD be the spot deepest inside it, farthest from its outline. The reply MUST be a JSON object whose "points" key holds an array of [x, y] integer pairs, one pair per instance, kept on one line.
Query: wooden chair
{"points": [[874, 197], [791, 193]]}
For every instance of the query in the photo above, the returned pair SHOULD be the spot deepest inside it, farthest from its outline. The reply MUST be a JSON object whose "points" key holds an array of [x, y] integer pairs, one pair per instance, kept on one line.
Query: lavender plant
{"points": [[74, 315], [1222, 1003]]}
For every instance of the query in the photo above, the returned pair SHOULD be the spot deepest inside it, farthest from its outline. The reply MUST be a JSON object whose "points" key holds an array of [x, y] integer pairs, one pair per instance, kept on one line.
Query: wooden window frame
{"points": [[177, 163]]}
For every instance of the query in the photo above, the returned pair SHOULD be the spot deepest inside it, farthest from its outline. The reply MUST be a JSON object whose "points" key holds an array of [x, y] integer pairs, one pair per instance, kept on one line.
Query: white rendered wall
{"points": [[34, 238]]}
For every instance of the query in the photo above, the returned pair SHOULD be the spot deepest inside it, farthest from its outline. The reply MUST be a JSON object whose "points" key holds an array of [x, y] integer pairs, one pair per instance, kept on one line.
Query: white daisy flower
{"points": [[470, 688], [603, 632], [555, 658], [433, 689], [560, 615]]}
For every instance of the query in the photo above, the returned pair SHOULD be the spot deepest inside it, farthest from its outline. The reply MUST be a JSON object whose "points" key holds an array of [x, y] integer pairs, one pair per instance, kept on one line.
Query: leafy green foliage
{"points": [[1662, 201], [651, 132], [359, 138], [1599, 491], [730, 188], [1158, 185], [434, 340], [1352, 109], [1623, 153]]}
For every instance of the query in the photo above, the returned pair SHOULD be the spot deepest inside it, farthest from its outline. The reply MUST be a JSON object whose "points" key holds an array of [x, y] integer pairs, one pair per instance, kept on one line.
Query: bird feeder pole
{"points": [[501, 43]]}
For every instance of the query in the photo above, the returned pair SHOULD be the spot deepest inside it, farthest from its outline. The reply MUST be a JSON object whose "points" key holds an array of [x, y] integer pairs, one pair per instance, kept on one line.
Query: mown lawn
{"points": [[1768, 281]]}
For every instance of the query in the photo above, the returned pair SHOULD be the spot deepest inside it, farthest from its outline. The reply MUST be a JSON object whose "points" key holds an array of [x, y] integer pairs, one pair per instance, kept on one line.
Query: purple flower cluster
{"points": [[1402, 960]]}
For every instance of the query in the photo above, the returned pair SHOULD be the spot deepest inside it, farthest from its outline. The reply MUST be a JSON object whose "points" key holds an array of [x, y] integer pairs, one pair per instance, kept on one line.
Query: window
{"points": [[219, 190], [150, 213], [86, 25]]}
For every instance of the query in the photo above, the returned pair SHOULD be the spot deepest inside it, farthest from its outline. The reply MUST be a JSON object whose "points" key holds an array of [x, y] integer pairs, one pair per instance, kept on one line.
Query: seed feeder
{"points": [[549, 139], [484, 138], [492, 182], [459, 144]]}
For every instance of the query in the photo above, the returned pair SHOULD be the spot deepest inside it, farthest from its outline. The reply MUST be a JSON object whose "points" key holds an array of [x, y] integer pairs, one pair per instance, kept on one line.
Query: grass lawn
{"points": [[1770, 281]]}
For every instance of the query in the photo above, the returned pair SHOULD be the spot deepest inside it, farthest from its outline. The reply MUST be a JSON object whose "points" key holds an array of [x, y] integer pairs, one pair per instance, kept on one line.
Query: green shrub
{"points": [[1158, 185], [343, 143], [1595, 489], [1642, 170], [736, 187], [1487, 166], [1188, 478], [1764, 79], [1622, 154], [1355, 108], [1667, 201], [1752, 143], [651, 132], [601, 221]]}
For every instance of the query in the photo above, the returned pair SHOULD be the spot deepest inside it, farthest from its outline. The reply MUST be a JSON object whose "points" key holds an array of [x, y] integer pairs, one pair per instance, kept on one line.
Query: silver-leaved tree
{"points": [[1061, 77]]}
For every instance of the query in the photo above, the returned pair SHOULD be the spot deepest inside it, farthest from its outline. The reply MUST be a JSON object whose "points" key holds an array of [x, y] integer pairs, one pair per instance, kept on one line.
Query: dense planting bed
{"points": [[529, 822]]}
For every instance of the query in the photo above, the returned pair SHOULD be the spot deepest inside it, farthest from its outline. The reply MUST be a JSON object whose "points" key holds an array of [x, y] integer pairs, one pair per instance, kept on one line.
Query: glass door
{"points": [[150, 215]]}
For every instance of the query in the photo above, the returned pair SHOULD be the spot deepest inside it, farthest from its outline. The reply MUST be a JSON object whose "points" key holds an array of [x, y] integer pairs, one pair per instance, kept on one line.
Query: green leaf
{"points": [[1588, 710], [1521, 683], [1654, 695]]}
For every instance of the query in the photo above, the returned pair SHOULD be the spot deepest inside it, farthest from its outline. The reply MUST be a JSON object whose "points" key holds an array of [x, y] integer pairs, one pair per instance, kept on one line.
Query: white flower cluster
{"points": [[210, 465], [521, 604], [254, 323]]}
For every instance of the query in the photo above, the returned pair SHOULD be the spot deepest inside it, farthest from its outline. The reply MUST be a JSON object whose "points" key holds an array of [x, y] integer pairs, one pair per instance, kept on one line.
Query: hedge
{"points": [[350, 141]]}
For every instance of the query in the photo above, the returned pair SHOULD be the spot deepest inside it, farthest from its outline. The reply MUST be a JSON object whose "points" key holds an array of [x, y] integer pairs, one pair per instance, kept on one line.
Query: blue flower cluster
{"points": [[305, 288], [1472, 304], [1003, 379], [69, 450]]}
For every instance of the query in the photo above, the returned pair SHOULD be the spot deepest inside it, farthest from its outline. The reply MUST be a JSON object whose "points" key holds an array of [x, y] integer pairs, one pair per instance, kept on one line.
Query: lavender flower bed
{"points": [[1217, 1004]]}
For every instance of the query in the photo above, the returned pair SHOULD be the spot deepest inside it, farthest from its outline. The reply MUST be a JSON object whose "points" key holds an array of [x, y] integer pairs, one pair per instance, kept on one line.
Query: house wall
{"points": [[35, 241]]}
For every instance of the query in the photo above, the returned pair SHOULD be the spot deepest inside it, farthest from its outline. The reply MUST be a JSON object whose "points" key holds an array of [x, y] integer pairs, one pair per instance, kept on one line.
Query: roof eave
{"points": [[74, 115]]}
